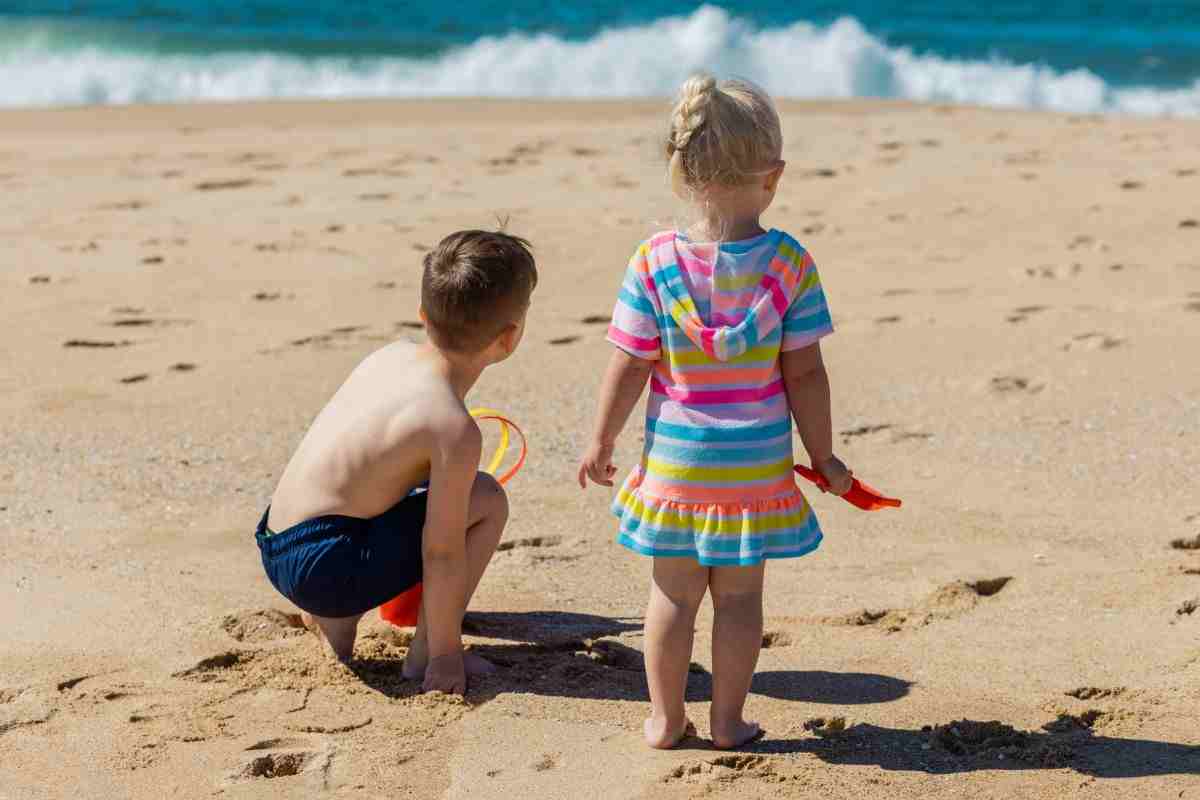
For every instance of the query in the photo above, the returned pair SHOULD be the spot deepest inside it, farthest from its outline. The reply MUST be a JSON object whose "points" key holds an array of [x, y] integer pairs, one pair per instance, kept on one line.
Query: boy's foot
{"points": [[339, 633], [473, 664], [662, 736], [740, 734]]}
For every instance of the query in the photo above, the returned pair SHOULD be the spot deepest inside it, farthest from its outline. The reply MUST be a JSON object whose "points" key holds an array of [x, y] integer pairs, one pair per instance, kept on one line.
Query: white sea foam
{"points": [[840, 60]]}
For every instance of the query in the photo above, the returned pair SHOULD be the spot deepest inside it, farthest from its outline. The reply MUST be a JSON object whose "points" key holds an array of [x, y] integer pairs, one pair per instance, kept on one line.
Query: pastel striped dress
{"points": [[715, 480]]}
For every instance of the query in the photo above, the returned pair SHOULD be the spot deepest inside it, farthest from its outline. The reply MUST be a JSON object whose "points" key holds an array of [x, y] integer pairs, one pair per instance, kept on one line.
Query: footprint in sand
{"points": [[1131, 185], [910, 436], [825, 726], [546, 762], [39, 278], [596, 319], [888, 320], [1186, 544], [946, 602], [153, 260], [182, 366], [1187, 172], [1095, 693], [1190, 223], [411, 324], [370, 196], [863, 430], [720, 770], [1022, 313], [142, 376], [532, 541], [24, 707], [125, 205], [262, 625], [1093, 341], [776, 639], [1187, 608], [218, 667], [276, 765], [561, 340], [99, 344], [325, 339], [1006, 384], [217, 186], [1054, 272], [146, 322]]}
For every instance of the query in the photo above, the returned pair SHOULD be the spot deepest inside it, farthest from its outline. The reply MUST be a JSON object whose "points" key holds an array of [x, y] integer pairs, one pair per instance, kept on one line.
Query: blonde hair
{"points": [[722, 133]]}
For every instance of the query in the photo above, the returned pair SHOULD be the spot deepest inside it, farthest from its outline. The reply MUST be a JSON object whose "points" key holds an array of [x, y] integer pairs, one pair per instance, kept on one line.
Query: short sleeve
{"points": [[807, 319], [634, 326]]}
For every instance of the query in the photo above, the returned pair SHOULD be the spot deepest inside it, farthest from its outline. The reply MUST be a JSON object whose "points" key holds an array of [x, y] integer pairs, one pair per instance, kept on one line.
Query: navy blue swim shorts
{"points": [[337, 566]]}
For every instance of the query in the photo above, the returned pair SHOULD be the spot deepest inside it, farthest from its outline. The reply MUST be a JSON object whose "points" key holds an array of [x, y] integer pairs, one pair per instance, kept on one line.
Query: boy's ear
{"points": [[508, 339]]}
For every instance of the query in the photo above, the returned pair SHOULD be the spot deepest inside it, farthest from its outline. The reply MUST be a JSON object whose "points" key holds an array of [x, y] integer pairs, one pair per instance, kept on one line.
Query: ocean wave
{"points": [[840, 60]]}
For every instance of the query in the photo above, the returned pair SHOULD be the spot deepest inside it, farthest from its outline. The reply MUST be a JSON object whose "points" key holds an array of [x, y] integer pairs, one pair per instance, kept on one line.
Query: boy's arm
{"points": [[454, 462], [619, 393], [807, 386]]}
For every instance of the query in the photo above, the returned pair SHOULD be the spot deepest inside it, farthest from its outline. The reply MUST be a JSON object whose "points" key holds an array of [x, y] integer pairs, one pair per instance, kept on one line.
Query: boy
{"points": [[351, 524]]}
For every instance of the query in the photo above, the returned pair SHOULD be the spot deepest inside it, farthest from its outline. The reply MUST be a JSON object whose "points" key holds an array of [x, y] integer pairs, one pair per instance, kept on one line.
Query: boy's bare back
{"points": [[374, 441]]}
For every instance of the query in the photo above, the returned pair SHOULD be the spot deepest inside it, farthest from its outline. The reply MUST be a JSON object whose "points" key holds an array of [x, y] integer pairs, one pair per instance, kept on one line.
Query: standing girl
{"points": [[724, 321]]}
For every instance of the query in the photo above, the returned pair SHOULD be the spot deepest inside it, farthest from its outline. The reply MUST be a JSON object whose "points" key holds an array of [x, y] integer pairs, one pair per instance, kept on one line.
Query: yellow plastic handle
{"points": [[505, 441]]}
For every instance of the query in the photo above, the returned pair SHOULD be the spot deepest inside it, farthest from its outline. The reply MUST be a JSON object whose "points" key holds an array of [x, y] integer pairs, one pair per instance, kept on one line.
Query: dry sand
{"points": [[1018, 304]]}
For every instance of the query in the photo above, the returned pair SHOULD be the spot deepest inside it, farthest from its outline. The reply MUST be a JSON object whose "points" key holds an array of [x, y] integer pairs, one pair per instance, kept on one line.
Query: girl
{"points": [[724, 321]]}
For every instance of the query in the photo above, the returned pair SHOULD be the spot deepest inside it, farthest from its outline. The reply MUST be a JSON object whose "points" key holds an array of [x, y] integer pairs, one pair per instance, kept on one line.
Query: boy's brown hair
{"points": [[475, 284]]}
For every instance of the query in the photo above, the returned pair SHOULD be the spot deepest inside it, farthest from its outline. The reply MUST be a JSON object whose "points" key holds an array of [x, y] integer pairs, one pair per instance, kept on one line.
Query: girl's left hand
{"points": [[597, 465]]}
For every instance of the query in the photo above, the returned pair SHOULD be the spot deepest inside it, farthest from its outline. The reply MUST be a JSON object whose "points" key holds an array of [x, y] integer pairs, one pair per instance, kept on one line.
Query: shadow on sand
{"points": [[559, 654]]}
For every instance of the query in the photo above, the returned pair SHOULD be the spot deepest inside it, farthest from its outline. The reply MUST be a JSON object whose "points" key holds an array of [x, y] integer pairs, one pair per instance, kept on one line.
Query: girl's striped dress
{"points": [[715, 480]]}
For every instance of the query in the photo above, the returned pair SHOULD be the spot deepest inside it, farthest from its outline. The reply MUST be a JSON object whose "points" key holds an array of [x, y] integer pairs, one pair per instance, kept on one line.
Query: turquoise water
{"points": [[1103, 56]]}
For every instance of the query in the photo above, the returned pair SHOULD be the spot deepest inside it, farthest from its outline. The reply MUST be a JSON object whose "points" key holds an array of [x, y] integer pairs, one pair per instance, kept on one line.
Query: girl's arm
{"points": [[807, 386], [619, 393]]}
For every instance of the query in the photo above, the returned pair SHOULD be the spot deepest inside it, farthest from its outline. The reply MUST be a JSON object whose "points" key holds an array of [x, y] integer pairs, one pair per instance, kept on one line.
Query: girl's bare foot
{"points": [[731, 737], [661, 735]]}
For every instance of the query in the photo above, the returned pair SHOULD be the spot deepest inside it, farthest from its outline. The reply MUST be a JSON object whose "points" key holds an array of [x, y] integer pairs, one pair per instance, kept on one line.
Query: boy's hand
{"points": [[597, 465], [837, 474], [445, 674]]}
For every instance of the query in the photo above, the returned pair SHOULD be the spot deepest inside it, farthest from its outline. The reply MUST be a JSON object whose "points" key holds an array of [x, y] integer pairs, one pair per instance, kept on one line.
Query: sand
{"points": [[1017, 299]]}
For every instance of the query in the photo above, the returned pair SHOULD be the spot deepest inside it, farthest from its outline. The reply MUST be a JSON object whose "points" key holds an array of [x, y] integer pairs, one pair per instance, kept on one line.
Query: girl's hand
{"points": [[837, 474], [597, 465]]}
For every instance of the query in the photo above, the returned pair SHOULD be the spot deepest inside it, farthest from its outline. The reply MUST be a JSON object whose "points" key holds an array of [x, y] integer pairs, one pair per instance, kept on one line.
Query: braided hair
{"points": [[721, 132]]}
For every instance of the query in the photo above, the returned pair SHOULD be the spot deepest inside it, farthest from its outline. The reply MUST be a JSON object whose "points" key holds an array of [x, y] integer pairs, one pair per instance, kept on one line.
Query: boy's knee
{"points": [[489, 497]]}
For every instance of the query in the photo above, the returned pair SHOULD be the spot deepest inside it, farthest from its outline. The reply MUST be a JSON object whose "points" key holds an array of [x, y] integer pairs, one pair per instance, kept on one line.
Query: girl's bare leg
{"points": [[486, 517], [676, 590], [736, 641]]}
